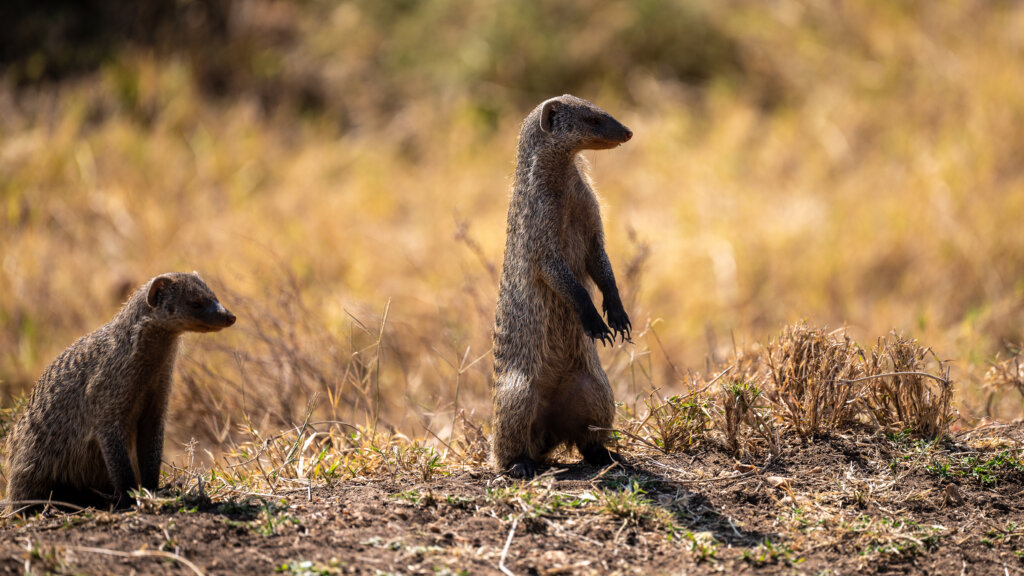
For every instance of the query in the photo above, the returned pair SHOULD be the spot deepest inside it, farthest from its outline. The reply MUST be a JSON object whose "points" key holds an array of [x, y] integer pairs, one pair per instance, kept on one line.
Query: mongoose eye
{"points": [[592, 121], [196, 305]]}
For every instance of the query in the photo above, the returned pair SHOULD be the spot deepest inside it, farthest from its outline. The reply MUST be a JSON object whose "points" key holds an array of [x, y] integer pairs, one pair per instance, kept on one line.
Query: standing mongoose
{"points": [[93, 427], [549, 385]]}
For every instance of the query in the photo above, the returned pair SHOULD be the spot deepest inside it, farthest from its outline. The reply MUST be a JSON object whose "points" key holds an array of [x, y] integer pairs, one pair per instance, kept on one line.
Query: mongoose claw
{"points": [[596, 329], [620, 324], [522, 468], [622, 332], [607, 338]]}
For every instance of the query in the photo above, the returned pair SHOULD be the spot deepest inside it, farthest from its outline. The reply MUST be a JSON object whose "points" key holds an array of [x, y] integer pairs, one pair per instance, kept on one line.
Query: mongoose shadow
{"points": [[93, 427], [690, 509], [550, 388]]}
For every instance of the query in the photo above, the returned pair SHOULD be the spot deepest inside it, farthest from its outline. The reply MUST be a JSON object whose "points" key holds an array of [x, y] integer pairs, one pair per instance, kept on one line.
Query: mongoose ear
{"points": [[547, 113], [156, 289]]}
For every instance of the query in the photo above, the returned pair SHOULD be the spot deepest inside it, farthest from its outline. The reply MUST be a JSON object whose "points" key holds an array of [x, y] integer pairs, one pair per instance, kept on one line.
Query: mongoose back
{"points": [[549, 384], [93, 427]]}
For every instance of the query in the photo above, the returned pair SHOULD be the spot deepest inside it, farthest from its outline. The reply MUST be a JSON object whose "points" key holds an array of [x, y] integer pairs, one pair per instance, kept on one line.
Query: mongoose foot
{"points": [[122, 501], [601, 456], [619, 322], [595, 328], [522, 468]]}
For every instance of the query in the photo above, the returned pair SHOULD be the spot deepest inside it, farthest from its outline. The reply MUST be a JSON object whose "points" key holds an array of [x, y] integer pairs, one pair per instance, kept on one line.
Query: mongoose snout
{"points": [[213, 316]]}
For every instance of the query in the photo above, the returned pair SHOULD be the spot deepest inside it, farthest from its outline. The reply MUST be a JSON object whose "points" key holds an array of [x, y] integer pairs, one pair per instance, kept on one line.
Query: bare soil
{"points": [[836, 505]]}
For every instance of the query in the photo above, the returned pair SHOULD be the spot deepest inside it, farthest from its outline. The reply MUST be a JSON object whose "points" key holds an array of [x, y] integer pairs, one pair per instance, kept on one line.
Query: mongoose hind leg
{"points": [[599, 455], [26, 479], [588, 409], [523, 467], [24, 489], [516, 445]]}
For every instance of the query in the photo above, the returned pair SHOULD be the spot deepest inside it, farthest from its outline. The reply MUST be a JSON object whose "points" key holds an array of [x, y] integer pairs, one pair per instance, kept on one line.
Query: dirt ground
{"points": [[837, 505]]}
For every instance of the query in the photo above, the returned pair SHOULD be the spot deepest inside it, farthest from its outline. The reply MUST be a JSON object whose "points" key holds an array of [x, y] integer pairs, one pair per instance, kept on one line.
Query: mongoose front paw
{"points": [[596, 329], [619, 322], [522, 468]]}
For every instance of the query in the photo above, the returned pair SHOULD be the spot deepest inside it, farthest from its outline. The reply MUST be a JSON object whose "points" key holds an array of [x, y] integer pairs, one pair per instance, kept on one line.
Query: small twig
{"points": [[989, 426], [504, 553], [380, 341], [719, 478], [713, 380], [563, 532], [356, 428], [265, 495], [733, 526], [887, 374], [447, 447], [259, 452], [630, 434], [625, 522], [675, 371], [139, 554], [650, 460], [1007, 567], [27, 503]]}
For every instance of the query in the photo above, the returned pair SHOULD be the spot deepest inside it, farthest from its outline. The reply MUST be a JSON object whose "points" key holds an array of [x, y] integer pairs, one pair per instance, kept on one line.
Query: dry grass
{"points": [[805, 382], [744, 417], [810, 373], [1004, 375], [901, 394], [359, 244], [855, 165]]}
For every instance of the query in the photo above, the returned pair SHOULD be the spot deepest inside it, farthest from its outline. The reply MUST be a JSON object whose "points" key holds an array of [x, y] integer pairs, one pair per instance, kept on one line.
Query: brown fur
{"points": [[549, 384], [94, 425]]}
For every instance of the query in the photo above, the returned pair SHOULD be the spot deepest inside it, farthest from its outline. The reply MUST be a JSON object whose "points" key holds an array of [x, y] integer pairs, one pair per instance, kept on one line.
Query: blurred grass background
{"points": [[339, 173]]}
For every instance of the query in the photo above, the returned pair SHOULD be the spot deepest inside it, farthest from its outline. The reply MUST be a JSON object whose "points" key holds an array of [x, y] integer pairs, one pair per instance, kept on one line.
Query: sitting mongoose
{"points": [[93, 427], [549, 385]]}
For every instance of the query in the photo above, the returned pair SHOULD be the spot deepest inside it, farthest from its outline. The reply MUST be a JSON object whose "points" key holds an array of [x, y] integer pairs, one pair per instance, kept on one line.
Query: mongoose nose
{"points": [[230, 319], [629, 134]]}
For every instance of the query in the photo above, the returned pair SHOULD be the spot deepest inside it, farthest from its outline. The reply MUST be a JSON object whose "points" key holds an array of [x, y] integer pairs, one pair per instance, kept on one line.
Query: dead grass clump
{"points": [[901, 395], [1002, 376], [472, 447], [808, 381], [742, 405], [678, 423], [808, 374]]}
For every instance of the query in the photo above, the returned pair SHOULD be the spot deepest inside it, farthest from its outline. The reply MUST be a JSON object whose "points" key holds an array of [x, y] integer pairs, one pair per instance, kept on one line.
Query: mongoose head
{"points": [[579, 124], [184, 303]]}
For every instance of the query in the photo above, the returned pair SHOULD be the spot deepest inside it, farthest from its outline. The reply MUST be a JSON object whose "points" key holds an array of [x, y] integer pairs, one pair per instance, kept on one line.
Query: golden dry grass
{"points": [[880, 190]]}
